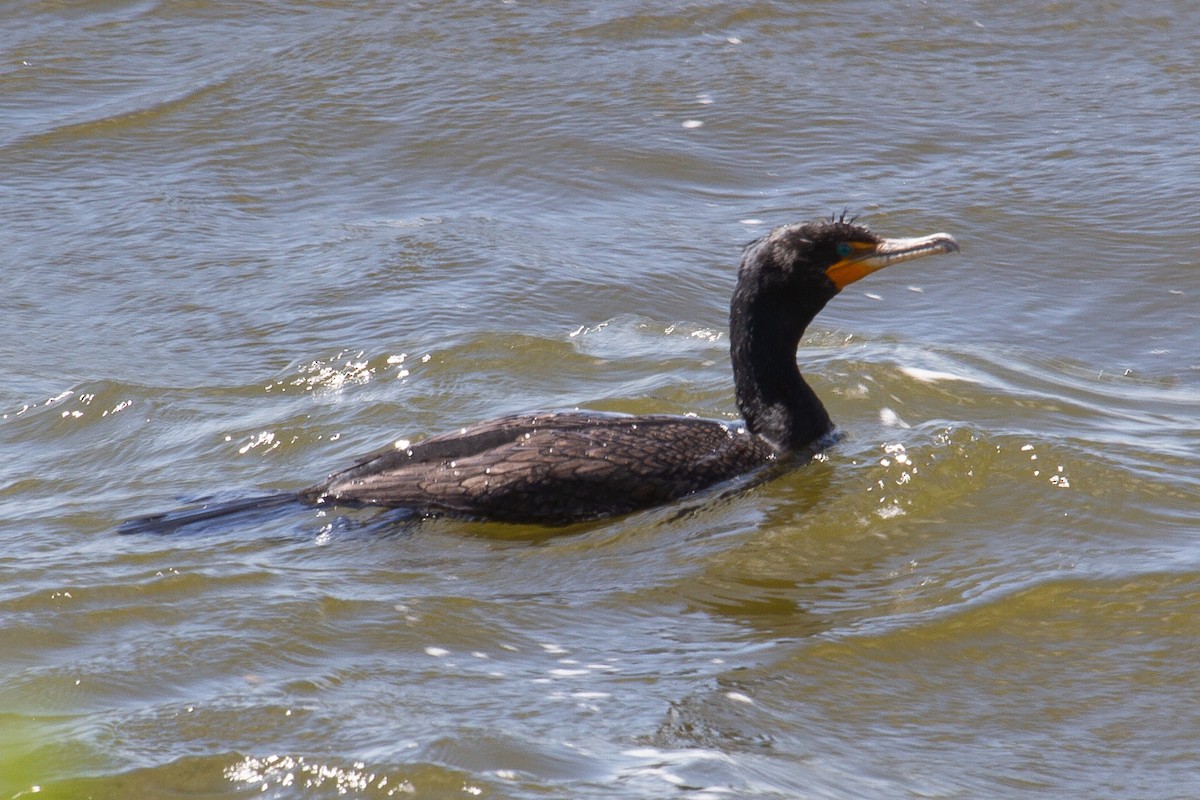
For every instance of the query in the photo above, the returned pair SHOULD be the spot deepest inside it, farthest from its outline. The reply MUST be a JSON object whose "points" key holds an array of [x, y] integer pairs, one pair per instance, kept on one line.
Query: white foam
{"points": [[933, 376]]}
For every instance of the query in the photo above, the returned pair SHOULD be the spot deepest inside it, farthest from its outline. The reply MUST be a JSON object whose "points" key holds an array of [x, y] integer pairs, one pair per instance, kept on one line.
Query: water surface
{"points": [[245, 243]]}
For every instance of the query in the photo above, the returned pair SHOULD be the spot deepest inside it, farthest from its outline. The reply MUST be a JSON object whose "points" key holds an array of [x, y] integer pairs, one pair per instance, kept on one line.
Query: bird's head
{"points": [[821, 258]]}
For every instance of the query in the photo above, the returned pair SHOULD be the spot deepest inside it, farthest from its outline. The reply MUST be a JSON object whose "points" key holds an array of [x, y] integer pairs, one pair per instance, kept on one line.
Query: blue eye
{"points": [[844, 249]]}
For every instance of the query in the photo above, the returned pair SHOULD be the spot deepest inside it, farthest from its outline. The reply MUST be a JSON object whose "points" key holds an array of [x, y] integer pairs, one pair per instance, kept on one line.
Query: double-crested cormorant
{"points": [[556, 468]]}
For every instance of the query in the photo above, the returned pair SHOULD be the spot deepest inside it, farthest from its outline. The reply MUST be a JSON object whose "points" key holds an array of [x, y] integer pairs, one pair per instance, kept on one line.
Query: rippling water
{"points": [[247, 242]]}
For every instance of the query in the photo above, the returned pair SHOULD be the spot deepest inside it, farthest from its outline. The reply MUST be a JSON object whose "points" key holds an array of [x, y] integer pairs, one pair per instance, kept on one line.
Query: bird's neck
{"points": [[773, 397]]}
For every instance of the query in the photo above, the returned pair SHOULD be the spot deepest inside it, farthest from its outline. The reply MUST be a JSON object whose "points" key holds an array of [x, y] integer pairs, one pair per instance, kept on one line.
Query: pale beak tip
{"points": [[947, 242]]}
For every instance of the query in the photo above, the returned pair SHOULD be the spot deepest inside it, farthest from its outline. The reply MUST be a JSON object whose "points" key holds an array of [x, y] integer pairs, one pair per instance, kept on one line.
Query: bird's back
{"points": [[551, 468]]}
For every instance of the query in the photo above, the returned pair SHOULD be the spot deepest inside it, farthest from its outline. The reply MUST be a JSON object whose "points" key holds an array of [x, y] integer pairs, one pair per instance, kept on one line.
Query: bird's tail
{"points": [[171, 521]]}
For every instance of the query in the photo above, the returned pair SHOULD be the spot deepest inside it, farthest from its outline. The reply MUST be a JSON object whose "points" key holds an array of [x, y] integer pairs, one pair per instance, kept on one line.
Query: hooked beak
{"points": [[867, 258]]}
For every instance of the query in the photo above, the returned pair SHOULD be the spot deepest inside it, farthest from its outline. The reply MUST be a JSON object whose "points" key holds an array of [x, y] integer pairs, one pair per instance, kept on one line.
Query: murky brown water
{"points": [[245, 243]]}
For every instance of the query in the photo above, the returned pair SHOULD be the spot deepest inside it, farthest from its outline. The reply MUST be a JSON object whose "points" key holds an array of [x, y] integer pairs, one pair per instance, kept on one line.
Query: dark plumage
{"points": [[551, 468], [556, 468]]}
